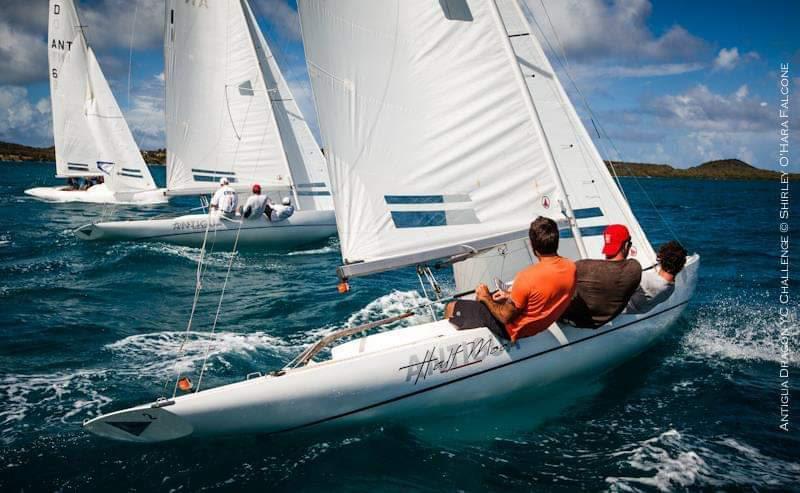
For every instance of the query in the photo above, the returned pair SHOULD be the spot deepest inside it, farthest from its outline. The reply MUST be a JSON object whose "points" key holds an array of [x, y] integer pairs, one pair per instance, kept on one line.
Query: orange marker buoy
{"points": [[343, 287], [185, 384]]}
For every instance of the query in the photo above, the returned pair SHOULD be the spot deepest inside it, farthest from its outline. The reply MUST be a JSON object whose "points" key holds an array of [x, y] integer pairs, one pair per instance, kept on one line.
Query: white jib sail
{"points": [[221, 121], [429, 139], [592, 191], [90, 132]]}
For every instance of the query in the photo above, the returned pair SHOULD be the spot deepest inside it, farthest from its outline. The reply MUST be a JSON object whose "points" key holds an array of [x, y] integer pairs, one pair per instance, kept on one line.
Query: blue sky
{"points": [[671, 81]]}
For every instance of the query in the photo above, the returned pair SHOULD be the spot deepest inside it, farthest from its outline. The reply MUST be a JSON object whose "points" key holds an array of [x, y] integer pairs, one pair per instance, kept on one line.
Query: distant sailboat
{"points": [[447, 133], [230, 114], [91, 136]]}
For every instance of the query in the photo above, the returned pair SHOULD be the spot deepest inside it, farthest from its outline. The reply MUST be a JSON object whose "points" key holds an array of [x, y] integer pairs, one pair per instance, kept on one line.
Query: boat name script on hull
{"points": [[445, 359], [193, 224]]}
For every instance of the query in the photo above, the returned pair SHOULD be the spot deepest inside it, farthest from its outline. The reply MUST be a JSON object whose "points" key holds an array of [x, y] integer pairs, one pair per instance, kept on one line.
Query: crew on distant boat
{"points": [[538, 297], [224, 199], [282, 211], [604, 287], [72, 183], [87, 183], [256, 204], [658, 283]]}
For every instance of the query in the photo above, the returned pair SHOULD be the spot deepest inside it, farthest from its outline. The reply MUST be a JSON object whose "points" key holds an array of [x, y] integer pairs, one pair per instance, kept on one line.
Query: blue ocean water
{"points": [[88, 328]]}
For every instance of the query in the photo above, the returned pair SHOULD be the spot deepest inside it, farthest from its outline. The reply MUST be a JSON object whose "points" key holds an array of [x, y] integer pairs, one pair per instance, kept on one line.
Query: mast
{"points": [[566, 207]]}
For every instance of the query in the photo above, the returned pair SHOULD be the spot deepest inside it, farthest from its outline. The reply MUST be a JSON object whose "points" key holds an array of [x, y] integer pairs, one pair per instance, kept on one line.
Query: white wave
{"points": [[159, 353], [55, 398], [680, 461], [315, 251], [5, 243], [393, 304], [739, 331]]}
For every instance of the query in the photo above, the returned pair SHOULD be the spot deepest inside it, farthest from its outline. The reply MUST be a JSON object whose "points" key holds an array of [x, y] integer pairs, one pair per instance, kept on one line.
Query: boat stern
{"points": [[88, 232], [143, 424]]}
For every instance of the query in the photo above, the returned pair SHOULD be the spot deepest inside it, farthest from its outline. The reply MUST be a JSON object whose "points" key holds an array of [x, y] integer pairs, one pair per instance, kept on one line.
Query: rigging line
{"points": [[565, 66], [219, 305], [130, 52], [197, 288]]}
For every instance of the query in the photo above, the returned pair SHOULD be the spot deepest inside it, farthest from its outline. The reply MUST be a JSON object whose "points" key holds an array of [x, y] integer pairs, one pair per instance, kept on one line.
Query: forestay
{"points": [[90, 132], [431, 146], [227, 106]]}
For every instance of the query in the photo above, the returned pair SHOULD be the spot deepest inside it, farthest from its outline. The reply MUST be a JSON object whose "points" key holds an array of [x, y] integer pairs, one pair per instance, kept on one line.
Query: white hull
{"points": [[302, 228], [98, 194], [419, 370]]}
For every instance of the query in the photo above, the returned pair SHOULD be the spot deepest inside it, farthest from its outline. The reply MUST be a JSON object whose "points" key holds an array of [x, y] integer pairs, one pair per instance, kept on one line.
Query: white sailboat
{"points": [[447, 133], [91, 136], [230, 114]]}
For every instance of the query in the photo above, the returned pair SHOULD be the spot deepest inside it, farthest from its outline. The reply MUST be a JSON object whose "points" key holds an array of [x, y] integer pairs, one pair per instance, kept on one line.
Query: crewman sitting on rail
{"points": [[224, 199], [256, 204], [604, 287], [658, 283], [72, 183], [283, 211], [539, 295]]}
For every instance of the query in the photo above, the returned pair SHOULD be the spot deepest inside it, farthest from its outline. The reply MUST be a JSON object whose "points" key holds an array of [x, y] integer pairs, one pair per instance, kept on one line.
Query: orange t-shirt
{"points": [[543, 292]]}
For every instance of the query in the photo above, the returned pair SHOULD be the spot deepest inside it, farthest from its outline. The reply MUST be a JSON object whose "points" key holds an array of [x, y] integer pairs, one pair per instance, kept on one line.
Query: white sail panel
{"points": [[219, 120], [76, 150], [119, 158], [595, 198], [306, 162], [427, 134]]}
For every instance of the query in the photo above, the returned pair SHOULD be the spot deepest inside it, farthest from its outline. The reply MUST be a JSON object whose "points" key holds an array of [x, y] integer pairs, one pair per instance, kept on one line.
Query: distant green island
{"points": [[723, 169]]}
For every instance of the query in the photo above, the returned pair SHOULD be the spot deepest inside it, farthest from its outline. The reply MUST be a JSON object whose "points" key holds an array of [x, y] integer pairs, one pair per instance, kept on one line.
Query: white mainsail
{"points": [[435, 139], [90, 132], [229, 111], [430, 142]]}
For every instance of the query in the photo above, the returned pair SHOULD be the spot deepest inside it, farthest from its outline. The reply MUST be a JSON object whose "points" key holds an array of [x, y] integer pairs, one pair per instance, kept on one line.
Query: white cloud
{"points": [[110, 23], [729, 58], [281, 16], [145, 116], [701, 109], [23, 54], [586, 71], [21, 120], [596, 29]]}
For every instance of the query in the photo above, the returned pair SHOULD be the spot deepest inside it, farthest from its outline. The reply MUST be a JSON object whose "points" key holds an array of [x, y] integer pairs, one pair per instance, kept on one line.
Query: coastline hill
{"points": [[723, 169], [21, 153]]}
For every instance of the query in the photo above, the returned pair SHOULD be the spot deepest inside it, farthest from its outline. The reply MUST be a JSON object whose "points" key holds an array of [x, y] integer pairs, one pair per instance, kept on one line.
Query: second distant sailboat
{"points": [[230, 114]]}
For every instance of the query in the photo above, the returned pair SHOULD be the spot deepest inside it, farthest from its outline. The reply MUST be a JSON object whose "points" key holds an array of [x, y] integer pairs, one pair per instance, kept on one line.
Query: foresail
{"points": [[219, 120], [306, 162], [120, 161], [429, 141], [593, 194], [90, 132]]}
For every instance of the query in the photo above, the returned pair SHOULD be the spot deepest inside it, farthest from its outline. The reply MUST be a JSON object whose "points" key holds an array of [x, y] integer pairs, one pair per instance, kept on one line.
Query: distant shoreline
{"points": [[724, 169]]}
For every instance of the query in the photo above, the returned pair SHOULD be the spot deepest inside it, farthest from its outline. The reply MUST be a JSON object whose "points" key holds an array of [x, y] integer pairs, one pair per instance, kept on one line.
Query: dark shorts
{"points": [[468, 314]]}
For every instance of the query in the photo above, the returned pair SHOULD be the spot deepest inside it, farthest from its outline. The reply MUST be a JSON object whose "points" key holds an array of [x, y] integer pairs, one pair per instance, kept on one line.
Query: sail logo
{"points": [[451, 358], [424, 211], [60, 44], [105, 166]]}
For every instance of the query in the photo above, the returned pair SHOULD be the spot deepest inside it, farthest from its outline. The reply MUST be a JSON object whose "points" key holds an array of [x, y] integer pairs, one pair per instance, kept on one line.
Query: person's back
{"points": [[225, 199], [282, 211], [542, 292], [603, 289], [658, 284], [255, 205]]}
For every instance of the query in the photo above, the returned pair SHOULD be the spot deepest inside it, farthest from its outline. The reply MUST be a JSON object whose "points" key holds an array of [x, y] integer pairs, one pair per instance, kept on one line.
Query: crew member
{"points": [[604, 287], [255, 205], [538, 297], [658, 283], [224, 199], [283, 211]]}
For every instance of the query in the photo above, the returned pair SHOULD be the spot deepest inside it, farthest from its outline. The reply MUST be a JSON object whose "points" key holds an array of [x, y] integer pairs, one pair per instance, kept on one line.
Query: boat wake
{"points": [[674, 460], [730, 330]]}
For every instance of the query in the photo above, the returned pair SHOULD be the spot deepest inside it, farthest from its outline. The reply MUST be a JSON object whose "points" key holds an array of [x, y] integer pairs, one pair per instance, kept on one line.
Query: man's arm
{"points": [[504, 311]]}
